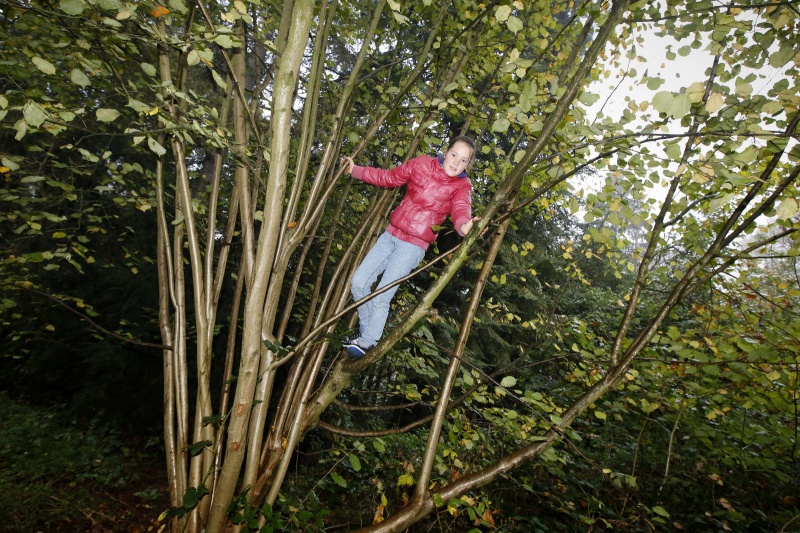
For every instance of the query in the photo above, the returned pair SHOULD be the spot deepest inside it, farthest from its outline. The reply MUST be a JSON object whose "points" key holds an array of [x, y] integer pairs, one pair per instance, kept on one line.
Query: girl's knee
{"points": [[358, 288]]}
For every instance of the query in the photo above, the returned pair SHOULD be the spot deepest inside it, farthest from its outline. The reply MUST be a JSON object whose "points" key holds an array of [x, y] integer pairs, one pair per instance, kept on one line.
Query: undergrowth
{"points": [[52, 471]]}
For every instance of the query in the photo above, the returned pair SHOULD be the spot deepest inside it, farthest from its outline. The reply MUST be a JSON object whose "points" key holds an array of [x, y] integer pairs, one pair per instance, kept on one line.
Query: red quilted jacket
{"points": [[430, 196]]}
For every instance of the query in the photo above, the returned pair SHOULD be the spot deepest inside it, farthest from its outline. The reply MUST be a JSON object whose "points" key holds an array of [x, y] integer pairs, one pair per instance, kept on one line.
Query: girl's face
{"points": [[456, 159]]}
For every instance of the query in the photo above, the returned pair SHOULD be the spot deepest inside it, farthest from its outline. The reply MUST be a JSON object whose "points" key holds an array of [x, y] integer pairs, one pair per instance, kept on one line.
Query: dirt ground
{"points": [[134, 509]]}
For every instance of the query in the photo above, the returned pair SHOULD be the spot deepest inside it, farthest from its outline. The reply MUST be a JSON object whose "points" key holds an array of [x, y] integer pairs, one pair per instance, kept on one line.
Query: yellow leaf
{"points": [[714, 103], [378, 518], [159, 11], [695, 92]]}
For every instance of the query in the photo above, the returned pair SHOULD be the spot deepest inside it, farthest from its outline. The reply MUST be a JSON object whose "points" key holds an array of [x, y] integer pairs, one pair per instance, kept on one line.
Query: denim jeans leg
{"points": [[367, 273], [402, 260]]}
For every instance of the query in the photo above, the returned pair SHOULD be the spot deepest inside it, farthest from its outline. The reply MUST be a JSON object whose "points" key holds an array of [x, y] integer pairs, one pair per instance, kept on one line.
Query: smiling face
{"points": [[456, 159]]}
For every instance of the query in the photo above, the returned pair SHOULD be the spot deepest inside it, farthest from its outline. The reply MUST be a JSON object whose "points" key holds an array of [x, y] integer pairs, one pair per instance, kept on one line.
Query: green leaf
{"points": [[662, 101], [193, 495], [600, 414], [178, 6], [502, 13], [198, 447], [149, 69], [585, 98], [781, 57], [680, 106], [673, 151], [218, 79], [773, 107], [79, 78], [654, 83], [137, 106], [405, 480], [660, 511], [43, 65], [339, 480], [743, 89], [192, 58], [3, 102], [649, 407], [514, 24], [22, 129], [105, 114], [787, 209], [72, 7], [438, 501], [155, 146], [501, 125], [508, 381], [714, 103], [89, 156], [695, 92], [402, 19], [108, 21], [224, 40], [719, 202], [355, 462], [34, 115]]}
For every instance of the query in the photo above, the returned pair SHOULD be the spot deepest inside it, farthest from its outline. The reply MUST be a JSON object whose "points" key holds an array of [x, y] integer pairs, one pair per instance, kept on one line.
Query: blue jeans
{"points": [[394, 258]]}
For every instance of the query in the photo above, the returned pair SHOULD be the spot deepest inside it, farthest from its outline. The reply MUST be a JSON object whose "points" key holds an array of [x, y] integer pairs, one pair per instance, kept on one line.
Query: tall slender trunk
{"points": [[258, 320]]}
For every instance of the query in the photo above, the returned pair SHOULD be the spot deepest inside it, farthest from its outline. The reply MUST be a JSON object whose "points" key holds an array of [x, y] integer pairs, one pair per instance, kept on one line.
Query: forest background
{"points": [[614, 346]]}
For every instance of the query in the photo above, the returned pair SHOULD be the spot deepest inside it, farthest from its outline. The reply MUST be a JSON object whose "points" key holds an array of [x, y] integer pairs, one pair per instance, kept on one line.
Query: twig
{"points": [[99, 327], [669, 448]]}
